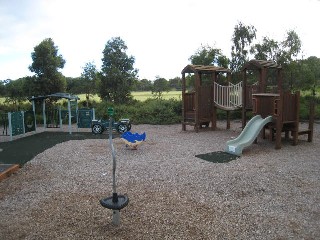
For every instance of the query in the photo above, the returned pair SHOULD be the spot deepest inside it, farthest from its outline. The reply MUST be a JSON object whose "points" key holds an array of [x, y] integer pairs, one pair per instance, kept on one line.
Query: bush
{"points": [[160, 112], [305, 107], [151, 111]]}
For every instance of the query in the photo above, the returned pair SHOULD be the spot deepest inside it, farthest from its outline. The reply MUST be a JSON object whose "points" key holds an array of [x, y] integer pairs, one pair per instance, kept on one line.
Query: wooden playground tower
{"points": [[265, 100], [200, 105], [260, 97]]}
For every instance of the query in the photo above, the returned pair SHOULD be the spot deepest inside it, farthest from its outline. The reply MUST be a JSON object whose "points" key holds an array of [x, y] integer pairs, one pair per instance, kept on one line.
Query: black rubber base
{"points": [[116, 202]]}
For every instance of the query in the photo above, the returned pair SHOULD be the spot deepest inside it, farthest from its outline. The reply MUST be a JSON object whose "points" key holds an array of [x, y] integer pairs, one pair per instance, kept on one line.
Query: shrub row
{"points": [[151, 111], [159, 111]]}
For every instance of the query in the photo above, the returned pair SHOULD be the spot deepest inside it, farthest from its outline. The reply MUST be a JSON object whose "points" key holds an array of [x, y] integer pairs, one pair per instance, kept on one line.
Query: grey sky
{"points": [[161, 35]]}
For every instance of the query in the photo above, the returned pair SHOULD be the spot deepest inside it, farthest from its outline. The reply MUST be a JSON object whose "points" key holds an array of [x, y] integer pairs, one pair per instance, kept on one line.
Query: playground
{"points": [[265, 194], [254, 178]]}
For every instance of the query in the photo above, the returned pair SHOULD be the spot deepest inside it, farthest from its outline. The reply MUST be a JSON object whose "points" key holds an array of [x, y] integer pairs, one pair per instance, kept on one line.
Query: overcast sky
{"points": [[160, 34]]}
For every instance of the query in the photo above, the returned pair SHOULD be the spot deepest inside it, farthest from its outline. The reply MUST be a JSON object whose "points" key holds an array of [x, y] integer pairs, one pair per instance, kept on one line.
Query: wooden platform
{"points": [[7, 169]]}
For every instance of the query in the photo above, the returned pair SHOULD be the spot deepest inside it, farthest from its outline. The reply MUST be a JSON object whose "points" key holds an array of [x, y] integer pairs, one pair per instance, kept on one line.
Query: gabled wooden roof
{"points": [[258, 64], [204, 69]]}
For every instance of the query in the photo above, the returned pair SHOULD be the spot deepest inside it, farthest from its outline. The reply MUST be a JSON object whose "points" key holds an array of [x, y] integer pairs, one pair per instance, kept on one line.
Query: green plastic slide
{"points": [[248, 135]]}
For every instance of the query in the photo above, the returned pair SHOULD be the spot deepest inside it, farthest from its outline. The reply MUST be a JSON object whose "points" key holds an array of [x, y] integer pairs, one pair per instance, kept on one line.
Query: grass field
{"points": [[141, 96]]}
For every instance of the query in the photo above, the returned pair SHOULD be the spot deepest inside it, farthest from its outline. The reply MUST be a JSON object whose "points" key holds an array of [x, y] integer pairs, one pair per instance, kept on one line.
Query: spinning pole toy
{"points": [[115, 202]]}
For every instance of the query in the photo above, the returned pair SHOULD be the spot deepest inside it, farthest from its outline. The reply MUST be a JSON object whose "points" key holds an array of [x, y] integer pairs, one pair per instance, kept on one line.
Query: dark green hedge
{"points": [[152, 111]]}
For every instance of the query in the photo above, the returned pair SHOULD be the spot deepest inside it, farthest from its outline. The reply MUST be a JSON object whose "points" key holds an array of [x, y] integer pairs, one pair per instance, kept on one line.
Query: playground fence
{"points": [[17, 123], [4, 124]]}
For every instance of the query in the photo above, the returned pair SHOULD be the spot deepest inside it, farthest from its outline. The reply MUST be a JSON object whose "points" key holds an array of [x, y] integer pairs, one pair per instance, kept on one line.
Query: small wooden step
{"points": [[304, 132]]}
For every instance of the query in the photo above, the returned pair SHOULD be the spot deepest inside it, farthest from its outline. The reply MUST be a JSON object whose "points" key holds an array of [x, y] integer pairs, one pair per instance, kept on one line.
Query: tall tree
{"points": [[74, 85], [207, 55], [305, 74], [15, 93], [175, 83], [267, 50], [89, 78], [242, 39], [46, 64], [160, 85], [290, 48], [117, 72], [143, 85], [283, 52], [2, 88]]}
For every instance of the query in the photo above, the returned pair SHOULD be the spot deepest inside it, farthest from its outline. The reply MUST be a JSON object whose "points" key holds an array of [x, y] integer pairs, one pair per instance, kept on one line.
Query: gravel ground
{"points": [[265, 194]]}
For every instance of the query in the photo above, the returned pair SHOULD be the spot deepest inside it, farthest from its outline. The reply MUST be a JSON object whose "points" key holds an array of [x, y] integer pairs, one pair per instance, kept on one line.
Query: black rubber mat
{"points": [[217, 157], [24, 149]]}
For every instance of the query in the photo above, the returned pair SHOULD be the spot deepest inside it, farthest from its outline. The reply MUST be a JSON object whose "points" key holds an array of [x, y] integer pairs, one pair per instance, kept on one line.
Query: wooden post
{"points": [[197, 88], [311, 119], [214, 109], [262, 82], [183, 101], [244, 99], [228, 112], [297, 120], [279, 78], [279, 123], [228, 119]]}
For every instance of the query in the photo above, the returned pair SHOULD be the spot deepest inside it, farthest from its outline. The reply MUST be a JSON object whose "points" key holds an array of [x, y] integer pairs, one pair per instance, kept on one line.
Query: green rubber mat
{"points": [[218, 157]]}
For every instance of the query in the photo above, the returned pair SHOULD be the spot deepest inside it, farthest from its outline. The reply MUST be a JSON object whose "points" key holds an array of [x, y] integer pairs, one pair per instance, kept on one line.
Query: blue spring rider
{"points": [[133, 140]]}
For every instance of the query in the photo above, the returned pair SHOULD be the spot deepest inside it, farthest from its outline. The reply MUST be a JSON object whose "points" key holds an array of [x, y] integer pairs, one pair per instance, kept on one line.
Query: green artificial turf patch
{"points": [[217, 157], [24, 149]]}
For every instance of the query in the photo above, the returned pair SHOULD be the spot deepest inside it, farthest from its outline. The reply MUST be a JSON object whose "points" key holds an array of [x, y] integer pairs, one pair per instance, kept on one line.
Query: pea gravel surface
{"points": [[265, 194]]}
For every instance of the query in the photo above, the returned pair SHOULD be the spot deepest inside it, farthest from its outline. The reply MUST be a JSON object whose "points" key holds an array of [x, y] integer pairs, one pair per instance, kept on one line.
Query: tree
{"points": [[175, 83], [29, 84], [74, 85], [45, 65], [142, 85], [305, 74], [2, 88], [267, 50], [15, 93], [117, 72], [290, 48], [207, 55], [160, 85], [89, 78], [242, 38], [283, 52]]}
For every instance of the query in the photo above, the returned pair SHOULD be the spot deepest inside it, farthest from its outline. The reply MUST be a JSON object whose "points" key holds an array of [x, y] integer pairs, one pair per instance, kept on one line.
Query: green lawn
{"points": [[140, 96]]}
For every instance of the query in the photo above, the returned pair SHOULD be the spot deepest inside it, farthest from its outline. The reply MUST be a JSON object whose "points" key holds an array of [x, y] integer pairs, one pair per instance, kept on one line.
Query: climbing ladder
{"points": [[228, 97]]}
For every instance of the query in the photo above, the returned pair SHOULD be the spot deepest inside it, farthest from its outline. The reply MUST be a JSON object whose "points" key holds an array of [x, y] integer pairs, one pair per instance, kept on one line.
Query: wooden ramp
{"points": [[7, 169]]}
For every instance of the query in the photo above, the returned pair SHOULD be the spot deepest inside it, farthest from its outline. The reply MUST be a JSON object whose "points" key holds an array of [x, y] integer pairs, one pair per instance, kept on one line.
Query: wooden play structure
{"points": [[200, 104], [266, 100], [264, 96]]}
